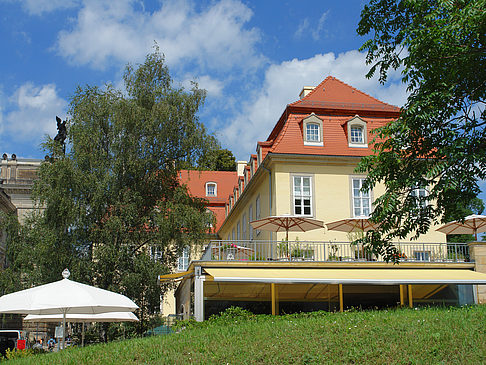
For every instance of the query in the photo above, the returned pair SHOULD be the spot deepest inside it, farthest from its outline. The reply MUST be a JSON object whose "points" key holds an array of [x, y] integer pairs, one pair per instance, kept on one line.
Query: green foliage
{"points": [[11, 354], [115, 194], [439, 141], [231, 315], [219, 160], [422, 336], [476, 206]]}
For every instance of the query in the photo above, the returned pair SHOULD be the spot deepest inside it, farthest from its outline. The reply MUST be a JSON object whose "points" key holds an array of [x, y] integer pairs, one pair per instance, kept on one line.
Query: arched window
{"points": [[312, 129], [357, 133], [211, 189]]}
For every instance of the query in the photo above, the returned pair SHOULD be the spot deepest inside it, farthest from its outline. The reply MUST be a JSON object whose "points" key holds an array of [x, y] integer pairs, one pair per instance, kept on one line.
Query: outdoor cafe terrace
{"points": [[254, 250]]}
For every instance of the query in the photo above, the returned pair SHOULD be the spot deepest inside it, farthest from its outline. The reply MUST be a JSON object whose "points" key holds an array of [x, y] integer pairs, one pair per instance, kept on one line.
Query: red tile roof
{"points": [[334, 102], [335, 94], [196, 185]]}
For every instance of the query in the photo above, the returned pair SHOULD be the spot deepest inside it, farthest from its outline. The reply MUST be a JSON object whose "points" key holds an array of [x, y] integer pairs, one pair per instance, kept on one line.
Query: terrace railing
{"points": [[219, 250]]}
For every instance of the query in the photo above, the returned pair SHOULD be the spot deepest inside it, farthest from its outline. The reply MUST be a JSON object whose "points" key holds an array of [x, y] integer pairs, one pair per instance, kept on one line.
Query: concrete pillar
{"points": [[198, 295], [477, 252]]}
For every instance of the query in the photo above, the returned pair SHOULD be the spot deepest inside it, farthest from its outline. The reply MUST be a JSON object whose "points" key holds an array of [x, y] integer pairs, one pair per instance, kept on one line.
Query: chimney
{"points": [[306, 90], [240, 167]]}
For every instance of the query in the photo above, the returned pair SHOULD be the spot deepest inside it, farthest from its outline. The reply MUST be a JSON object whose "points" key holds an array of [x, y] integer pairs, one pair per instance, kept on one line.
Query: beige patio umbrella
{"points": [[358, 224], [287, 223], [473, 224]]}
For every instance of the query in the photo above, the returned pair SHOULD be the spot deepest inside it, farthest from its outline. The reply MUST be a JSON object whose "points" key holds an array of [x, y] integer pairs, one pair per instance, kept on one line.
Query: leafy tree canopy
{"points": [[219, 160], [113, 201], [476, 206], [439, 141]]}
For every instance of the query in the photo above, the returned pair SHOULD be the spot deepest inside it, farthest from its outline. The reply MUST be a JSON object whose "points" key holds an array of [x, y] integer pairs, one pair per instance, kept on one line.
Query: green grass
{"points": [[424, 336]]}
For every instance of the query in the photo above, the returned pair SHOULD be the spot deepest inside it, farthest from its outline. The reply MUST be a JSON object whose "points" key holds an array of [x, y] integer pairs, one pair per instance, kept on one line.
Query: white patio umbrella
{"points": [[358, 224], [473, 224], [63, 297], [83, 318]]}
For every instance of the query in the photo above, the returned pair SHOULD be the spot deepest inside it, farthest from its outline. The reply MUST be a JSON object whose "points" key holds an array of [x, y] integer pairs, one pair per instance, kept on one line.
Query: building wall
{"points": [[16, 180], [332, 197], [258, 188]]}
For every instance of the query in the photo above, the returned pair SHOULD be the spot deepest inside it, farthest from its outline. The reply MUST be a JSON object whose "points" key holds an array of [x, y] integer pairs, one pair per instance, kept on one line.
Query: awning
{"points": [[177, 275], [346, 276]]}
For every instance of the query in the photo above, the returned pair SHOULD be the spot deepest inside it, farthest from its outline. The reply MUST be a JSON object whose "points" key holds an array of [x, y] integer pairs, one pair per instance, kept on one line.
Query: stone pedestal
{"points": [[477, 252]]}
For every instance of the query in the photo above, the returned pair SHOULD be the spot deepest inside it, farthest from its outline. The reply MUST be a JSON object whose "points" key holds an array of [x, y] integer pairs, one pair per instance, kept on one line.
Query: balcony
{"points": [[298, 251]]}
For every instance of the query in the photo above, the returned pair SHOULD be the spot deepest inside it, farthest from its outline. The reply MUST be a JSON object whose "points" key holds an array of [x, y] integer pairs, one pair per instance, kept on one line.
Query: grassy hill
{"points": [[423, 336]]}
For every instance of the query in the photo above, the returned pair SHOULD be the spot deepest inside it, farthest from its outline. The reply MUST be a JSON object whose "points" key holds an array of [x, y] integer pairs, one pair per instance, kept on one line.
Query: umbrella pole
{"points": [[64, 328], [82, 334], [288, 243]]}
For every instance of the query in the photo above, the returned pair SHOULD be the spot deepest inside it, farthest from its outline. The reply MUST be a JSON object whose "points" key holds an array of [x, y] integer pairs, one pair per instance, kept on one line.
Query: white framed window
{"points": [[211, 189], [250, 219], [421, 195], [361, 199], [312, 128], [257, 212], [156, 253], [357, 135], [183, 260], [244, 223], [421, 255], [302, 195], [233, 234], [238, 232], [312, 133], [357, 132]]}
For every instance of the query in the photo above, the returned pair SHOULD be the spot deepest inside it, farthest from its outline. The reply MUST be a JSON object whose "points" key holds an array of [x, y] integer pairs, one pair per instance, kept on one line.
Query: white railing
{"points": [[330, 251]]}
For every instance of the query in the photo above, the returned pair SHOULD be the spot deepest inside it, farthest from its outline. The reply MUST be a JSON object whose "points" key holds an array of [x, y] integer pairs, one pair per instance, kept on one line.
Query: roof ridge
{"points": [[362, 92], [313, 90], [330, 77]]}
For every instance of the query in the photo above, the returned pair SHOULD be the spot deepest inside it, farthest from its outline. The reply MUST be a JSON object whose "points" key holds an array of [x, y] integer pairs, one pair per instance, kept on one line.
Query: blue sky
{"points": [[253, 57]]}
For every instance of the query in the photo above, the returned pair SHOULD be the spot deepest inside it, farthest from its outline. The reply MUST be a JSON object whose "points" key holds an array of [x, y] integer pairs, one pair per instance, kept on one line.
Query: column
{"points": [[198, 295], [477, 253], [341, 299], [410, 296]]}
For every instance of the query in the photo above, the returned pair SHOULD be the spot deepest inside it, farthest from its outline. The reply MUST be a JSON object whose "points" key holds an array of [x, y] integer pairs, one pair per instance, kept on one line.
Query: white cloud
{"points": [[315, 31], [214, 87], [282, 85], [214, 38], [33, 113], [39, 7], [302, 28]]}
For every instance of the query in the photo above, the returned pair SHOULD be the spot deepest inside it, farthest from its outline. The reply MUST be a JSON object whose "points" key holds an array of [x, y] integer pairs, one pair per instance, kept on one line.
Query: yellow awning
{"points": [[177, 275], [346, 276]]}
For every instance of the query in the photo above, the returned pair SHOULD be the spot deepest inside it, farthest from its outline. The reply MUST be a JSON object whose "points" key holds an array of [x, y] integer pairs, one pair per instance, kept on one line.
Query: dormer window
{"points": [[312, 132], [211, 189], [312, 128], [357, 132]]}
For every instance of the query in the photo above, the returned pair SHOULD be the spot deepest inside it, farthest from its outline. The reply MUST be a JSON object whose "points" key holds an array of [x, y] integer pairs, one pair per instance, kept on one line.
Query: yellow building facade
{"points": [[307, 167]]}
